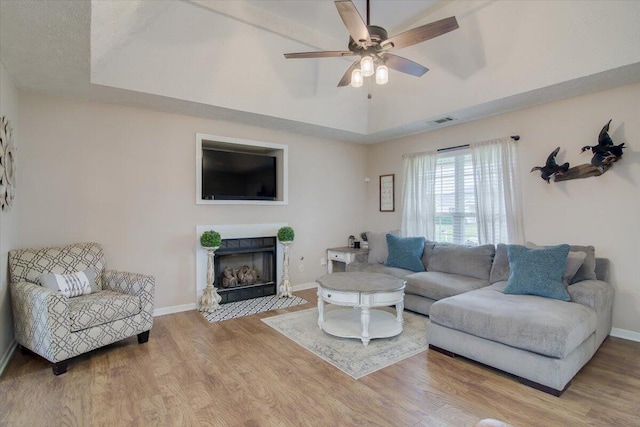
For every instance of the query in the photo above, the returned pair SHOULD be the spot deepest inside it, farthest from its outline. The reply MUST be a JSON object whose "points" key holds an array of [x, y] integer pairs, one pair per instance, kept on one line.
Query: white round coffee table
{"points": [[363, 291]]}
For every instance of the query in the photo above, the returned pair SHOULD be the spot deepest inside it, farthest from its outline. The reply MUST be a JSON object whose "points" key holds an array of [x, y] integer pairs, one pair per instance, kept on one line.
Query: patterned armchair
{"points": [[59, 328]]}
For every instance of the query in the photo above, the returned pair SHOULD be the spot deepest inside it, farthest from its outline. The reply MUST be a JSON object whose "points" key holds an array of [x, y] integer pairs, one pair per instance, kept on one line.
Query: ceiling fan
{"points": [[372, 44]]}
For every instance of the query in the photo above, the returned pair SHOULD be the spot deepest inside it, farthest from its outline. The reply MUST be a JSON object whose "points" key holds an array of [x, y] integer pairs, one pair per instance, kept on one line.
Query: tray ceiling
{"points": [[223, 59]]}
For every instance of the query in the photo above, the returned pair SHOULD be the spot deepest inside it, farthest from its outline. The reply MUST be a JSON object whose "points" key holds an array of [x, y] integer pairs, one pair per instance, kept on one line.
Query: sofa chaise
{"points": [[542, 341]]}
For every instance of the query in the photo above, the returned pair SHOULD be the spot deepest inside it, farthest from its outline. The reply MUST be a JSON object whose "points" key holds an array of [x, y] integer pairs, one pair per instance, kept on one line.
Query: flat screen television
{"points": [[231, 175]]}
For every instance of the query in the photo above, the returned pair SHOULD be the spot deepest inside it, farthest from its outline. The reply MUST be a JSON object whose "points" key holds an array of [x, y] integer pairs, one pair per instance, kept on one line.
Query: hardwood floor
{"points": [[243, 373]]}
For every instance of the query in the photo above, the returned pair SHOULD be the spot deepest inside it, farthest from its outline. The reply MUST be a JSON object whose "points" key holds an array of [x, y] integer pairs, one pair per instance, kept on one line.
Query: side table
{"points": [[345, 255]]}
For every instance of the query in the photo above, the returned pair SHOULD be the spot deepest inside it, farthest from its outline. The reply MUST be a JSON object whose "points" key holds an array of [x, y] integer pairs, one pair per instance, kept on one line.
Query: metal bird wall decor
{"points": [[551, 168], [605, 153]]}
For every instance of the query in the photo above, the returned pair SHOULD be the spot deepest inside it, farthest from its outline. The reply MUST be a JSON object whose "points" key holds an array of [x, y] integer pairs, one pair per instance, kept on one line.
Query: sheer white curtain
{"points": [[498, 200], [418, 196]]}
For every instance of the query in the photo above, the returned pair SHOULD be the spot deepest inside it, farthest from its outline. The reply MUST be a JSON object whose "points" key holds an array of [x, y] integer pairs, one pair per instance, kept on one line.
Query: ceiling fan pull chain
{"points": [[368, 9]]}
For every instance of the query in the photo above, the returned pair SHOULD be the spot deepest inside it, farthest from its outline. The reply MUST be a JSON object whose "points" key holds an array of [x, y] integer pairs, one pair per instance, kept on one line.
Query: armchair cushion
{"points": [[99, 308]]}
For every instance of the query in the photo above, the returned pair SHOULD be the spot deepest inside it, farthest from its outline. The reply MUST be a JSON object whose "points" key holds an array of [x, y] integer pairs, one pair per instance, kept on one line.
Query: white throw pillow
{"points": [[70, 285]]}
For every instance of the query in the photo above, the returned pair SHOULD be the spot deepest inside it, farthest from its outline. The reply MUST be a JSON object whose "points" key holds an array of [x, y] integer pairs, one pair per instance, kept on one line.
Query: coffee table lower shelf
{"points": [[347, 323]]}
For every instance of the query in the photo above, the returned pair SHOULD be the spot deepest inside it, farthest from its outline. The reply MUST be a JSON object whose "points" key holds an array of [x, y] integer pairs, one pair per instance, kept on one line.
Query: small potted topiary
{"points": [[210, 239], [286, 234]]}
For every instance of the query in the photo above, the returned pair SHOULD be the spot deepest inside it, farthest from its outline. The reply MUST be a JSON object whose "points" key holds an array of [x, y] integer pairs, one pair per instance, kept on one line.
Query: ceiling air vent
{"points": [[444, 120]]}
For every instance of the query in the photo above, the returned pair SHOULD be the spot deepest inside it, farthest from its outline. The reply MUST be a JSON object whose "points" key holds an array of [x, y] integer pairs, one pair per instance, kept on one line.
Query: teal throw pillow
{"points": [[537, 271], [405, 252]]}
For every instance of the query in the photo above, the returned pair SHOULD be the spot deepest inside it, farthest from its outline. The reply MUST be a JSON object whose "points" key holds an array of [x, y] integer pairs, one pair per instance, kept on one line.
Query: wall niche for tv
{"points": [[232, 171]]}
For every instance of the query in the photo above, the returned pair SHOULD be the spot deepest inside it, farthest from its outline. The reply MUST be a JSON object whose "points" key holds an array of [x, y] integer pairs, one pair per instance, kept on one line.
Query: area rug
{"points": [[251, 306], [349, 355]]}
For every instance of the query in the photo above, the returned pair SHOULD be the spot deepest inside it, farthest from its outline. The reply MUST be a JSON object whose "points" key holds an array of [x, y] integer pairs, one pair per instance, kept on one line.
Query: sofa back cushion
{"points": [[500, 268], [471, 261], [587, 270], [378, 250], [26, 265], [429, 246]]}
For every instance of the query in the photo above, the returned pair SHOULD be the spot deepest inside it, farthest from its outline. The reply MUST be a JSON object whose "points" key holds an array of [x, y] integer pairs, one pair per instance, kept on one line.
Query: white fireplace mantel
{"points": [[234, 231]]}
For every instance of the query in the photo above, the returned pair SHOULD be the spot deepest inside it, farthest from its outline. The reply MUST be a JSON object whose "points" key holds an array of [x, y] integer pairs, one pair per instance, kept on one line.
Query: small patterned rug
{"points": [[349, 355], [251, 306]]}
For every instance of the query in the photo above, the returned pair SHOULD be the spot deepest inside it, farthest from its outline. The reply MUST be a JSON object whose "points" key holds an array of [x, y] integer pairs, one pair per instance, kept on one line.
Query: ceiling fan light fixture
{"points": [[382, 75], [366, 65], [372, 44], [357, 80]]}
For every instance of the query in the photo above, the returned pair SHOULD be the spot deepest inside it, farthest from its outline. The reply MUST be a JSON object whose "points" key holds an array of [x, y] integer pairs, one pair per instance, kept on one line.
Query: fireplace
{"points": [[246, 268], [237, 232]]}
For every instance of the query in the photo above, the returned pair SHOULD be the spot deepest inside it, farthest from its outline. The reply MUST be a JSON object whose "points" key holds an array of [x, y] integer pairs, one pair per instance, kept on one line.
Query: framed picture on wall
{"points": [[387, 199]]}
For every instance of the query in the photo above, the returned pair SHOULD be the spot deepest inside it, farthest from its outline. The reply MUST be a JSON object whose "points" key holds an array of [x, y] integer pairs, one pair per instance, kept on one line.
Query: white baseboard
{"points": [[625, 334], [174, 309], [303, 286], [4, 361]]}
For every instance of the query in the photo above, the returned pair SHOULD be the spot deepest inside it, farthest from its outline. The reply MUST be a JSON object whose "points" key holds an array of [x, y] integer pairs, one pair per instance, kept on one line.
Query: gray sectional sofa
{"points": [[542, 341]]}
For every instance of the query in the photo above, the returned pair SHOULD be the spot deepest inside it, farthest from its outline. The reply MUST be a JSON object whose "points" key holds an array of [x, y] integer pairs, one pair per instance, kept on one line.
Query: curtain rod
{"points": [[439, 150]]}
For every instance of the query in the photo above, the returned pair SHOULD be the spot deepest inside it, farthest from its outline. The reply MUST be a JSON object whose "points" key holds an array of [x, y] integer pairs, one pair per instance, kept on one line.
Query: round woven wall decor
{"points": [[7, 165]]}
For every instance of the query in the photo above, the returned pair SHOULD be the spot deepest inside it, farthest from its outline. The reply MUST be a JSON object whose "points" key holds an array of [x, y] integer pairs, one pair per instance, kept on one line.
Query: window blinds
{"points": [[455, 199]]}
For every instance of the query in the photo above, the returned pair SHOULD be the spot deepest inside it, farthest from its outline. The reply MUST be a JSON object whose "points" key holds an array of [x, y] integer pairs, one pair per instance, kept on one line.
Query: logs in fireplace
{"points": [[246, 268], [243, 276]]}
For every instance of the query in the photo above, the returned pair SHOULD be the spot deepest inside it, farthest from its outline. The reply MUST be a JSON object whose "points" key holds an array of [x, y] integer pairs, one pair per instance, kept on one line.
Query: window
{"points": [[455, 202], [468, 196]]}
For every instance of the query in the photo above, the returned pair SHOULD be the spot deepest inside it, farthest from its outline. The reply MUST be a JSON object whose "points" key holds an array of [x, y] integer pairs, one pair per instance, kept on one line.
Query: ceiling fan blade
{"points": [[404, 65], [322, 54], [354, 23], [346, 78], [420, 34]]}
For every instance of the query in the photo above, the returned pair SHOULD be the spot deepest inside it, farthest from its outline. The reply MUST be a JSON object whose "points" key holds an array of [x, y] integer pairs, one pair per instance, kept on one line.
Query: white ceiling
{"points": [[396, 16], [223, 59]]}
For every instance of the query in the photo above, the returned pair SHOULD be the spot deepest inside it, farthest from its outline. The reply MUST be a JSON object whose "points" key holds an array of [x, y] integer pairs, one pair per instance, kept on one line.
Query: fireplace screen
{"points": [[246, 268]]}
